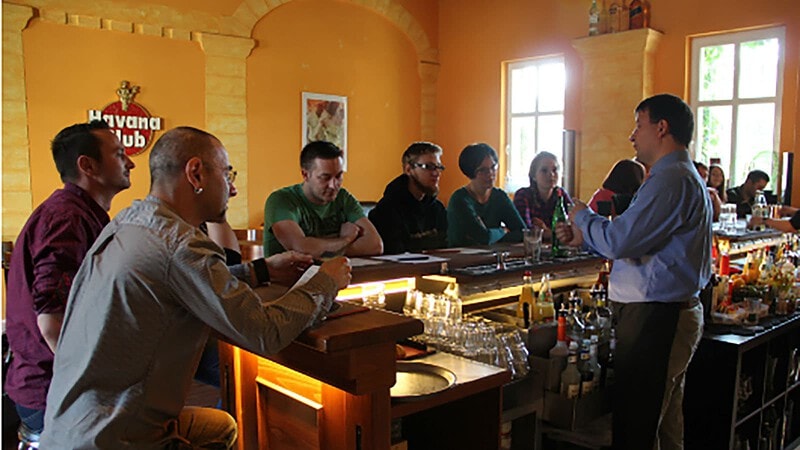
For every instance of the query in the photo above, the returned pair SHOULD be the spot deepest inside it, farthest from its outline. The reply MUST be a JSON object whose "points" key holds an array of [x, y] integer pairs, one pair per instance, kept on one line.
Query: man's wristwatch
{"points": [[261, 270]]}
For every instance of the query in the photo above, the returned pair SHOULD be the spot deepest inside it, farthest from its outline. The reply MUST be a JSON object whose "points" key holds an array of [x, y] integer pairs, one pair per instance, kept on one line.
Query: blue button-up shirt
{"points": [[661, 245]]}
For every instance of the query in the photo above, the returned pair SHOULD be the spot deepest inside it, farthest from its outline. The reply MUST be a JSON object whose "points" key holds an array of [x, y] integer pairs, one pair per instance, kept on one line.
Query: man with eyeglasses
{"points": [[318, 216], [409, 217], [145, 299]]}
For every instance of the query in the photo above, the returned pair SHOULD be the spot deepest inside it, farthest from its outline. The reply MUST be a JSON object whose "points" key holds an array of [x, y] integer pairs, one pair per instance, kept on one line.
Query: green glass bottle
{"points": [[559, 215]]}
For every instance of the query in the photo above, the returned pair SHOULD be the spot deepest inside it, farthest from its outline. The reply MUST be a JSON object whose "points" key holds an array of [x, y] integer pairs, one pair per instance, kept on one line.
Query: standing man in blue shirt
{"points": [[661, 247]]}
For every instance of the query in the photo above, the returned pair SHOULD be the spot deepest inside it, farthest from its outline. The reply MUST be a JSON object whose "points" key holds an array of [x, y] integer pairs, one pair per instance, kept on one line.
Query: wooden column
{"points": [[618, 73]]}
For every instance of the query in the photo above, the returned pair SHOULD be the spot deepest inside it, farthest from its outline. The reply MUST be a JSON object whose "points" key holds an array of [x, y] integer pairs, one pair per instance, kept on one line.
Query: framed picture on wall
{"points": [[325, 119]]}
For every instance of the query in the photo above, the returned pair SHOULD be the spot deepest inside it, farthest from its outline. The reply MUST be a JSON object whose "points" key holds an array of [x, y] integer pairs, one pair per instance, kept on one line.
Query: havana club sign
{"points": [[130, 121]]}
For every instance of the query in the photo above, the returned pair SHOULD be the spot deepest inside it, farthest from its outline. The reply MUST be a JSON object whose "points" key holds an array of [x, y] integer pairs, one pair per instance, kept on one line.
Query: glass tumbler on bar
{"points": [[532, 239]]}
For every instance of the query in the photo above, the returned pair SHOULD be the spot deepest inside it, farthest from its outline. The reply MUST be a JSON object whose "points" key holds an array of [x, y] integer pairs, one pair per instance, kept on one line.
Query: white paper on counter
{"points": [[310, 272], [411, 258], [360, 262]]}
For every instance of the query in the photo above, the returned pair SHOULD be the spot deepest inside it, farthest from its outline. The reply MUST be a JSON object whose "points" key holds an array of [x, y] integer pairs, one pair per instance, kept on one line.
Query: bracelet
{"points": [[261, 270]]}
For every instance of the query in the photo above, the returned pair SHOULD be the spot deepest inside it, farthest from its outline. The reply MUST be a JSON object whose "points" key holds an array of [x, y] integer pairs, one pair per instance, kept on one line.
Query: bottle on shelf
{"points": [[760, 209], [594, 20], [613, 17], [571, 376], [526, 308], [576, 329], [607, 374], [586, 369], [594, 359], [603, 24], [624, 16], [639, 14], [545, 308], [559, 215], [560, 351]]}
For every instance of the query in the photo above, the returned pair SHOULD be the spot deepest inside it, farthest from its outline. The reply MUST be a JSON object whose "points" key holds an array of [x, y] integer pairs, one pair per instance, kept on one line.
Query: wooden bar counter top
{"points": [[330, 388]]}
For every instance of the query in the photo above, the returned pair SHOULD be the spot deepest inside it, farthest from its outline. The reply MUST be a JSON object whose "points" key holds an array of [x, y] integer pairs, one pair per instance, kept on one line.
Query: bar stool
{"points": [[28, 440]]}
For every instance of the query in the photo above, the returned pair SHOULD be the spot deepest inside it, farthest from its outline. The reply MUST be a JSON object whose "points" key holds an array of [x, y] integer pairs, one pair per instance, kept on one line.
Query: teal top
{"points": [[290, 203], [472, 223]]}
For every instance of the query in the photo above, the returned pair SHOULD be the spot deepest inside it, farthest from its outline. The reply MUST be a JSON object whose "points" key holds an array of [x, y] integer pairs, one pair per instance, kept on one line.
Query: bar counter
{"points": [[330, 388]]}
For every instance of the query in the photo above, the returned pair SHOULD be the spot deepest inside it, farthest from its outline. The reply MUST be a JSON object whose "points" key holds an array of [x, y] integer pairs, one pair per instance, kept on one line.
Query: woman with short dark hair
{"points": [[479, 213]]}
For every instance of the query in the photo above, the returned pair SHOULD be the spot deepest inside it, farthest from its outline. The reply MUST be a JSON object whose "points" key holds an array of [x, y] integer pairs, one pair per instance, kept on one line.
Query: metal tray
{"points": [[416, 381]]}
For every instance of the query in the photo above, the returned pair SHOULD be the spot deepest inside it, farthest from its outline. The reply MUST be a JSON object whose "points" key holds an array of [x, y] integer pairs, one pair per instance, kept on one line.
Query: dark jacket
{"points": [[407, 224]]}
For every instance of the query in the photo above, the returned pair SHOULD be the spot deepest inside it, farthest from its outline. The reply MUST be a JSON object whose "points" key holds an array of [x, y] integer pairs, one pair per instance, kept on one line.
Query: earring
{"points": [[198, 190]]}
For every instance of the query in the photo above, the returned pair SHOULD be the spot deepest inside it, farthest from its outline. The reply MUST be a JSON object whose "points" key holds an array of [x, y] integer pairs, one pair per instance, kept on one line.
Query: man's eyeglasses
{"points": [[429, 166], [231, 174], [486, 170]]}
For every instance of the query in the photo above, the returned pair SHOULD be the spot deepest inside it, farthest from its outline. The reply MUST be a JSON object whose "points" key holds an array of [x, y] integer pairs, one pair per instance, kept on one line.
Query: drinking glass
{"points": [[753, 306], [727, 217], [374, 295], [532, 239]]}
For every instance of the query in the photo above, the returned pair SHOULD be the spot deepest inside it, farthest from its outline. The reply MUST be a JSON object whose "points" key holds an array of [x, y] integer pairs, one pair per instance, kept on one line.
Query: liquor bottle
{"points": [[624, 16], [560, 351], [607, 376], [545, 308], [576, 329], [594, 362], [586, 369], [594, 19], [760, 209], [613, 17], [603, 23], [591, 321], [559, 215], [526, 308], [639, 14], [571, 376]]}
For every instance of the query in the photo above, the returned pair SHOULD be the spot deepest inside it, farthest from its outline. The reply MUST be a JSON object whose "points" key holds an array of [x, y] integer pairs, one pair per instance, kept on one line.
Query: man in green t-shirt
{"points": [[317, 216]]}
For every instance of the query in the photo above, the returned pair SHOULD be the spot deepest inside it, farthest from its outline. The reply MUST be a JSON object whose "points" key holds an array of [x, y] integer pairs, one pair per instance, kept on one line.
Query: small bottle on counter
{"points": [[544, 307]]}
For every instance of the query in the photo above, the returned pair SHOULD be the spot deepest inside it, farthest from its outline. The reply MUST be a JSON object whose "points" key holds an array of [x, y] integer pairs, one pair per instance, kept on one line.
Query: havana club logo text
{"points": [[131, 122]]}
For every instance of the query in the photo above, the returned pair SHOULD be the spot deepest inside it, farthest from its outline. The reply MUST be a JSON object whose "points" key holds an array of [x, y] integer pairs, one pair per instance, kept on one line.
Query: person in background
{"points": [[661, 247], [624, 178], [716, 202], [93, 165], [702, 170], [409, 217], [318, 216], [716, 180], [143, 302], [537, 202], [745, 195], [479, 213]]}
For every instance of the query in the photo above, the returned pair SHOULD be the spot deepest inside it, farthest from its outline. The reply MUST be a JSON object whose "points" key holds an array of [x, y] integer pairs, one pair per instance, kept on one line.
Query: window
{"points": [[535, 115], [737, 80]]}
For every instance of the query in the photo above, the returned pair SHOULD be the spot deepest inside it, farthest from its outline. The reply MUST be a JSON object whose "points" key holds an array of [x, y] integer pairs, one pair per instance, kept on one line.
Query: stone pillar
{"points": [[17, 197], [618, 72], [428, 74], [226, 108]]}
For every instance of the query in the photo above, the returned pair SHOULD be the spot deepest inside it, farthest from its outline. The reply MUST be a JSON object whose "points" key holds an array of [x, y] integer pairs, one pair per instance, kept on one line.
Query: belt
{"points": [[688, 304]]}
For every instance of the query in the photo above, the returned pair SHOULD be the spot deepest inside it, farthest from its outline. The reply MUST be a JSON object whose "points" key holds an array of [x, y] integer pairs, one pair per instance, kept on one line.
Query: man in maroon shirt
{"points": [[50, 248]]}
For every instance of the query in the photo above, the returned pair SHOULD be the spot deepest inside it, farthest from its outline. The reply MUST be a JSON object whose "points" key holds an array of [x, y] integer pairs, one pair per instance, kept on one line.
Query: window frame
{"points": [[511, 66], [737, 38]]}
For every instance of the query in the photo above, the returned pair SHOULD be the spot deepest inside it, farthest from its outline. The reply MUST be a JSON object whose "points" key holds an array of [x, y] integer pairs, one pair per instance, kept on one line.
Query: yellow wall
{"points": [[368, 50], [332, 48], [476, 37], [70, 70]]}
